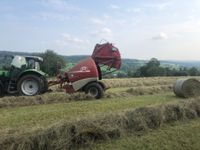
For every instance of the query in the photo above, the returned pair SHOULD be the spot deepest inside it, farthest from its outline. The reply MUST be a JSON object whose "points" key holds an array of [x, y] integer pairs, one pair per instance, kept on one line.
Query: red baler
{"points": [[85, 76]]}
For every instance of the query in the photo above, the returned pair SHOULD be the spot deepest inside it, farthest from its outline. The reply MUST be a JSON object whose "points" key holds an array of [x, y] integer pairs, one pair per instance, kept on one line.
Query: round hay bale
{"points": [[187, 88]]}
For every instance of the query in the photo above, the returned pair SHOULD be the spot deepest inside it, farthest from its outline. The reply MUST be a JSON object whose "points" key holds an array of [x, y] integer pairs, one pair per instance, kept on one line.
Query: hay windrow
{"points": [[86, 131], [62, 97], [48, 98]]}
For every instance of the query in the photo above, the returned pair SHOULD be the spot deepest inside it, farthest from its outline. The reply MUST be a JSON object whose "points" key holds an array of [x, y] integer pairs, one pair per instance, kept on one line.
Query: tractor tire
{"points": [[94, 90], [44, 85], [29, 85], [1, 91]]}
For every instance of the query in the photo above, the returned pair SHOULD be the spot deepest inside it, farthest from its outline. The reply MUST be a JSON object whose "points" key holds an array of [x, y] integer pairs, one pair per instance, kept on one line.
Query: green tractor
{"points": [[22, 76]]}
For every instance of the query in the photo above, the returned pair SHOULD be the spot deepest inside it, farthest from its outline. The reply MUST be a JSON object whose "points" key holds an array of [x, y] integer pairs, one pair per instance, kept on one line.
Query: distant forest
{"points": [[129, 67]]}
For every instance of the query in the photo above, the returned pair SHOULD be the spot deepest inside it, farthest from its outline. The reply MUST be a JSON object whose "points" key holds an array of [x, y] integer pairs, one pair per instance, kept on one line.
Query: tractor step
{"points": [[12, 87]]}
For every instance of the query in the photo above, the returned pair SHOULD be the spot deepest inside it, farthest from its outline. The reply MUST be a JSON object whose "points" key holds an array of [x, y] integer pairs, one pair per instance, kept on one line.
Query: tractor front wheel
{"points": [[94, 90], [29, 85]]}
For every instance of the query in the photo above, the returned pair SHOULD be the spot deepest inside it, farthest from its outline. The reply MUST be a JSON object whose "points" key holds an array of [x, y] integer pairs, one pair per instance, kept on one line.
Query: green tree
{"points": [[193, 71], [52, 62], [151, 69], [153, 63]]}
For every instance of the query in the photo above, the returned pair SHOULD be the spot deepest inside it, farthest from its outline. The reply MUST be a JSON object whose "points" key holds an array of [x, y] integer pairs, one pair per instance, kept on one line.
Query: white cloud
{"points": [[104, 33], [52, 15], [160, 36], [60, 5], [159, 6], [67, 39], [189, 26], [135, 10], [97, 21], [114, 6]]}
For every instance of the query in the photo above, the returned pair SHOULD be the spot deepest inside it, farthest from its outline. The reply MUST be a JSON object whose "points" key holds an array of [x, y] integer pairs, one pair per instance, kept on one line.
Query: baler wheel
{"points": [[94, 90]]}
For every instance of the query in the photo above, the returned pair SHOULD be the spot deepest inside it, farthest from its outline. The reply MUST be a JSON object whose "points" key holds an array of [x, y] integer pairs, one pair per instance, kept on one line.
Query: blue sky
{"points": [[141, 29]]}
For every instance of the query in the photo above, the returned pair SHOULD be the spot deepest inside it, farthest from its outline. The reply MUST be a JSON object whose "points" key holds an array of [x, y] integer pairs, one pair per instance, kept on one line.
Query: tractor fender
{"points": [[31, 71]]}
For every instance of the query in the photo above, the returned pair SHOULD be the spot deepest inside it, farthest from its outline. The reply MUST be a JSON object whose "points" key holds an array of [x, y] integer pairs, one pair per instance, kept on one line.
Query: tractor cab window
{"points": [[18, 62], [37, 66], [33, 64]]}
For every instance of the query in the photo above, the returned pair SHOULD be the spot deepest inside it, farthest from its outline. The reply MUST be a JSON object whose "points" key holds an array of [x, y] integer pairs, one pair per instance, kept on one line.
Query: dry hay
{"points": [[149, 90], [62, 97], [48, 98], [137, 82], [84, 132], [187, 88]]}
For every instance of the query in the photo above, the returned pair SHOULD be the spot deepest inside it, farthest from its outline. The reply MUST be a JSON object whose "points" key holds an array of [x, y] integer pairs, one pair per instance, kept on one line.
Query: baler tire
{"points": [[95, 90], [24, 88]]}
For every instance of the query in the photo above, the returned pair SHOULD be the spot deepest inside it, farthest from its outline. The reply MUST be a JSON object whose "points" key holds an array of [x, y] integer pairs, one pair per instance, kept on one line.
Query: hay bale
{"points": [[187, 88]]}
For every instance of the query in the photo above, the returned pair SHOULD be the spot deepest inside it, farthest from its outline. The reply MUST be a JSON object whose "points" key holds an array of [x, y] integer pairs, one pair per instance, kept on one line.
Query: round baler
{"points": [[85, 76]]}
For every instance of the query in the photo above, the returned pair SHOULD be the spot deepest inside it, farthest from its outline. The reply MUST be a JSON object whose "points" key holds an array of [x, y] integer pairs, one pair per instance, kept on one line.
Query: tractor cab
{"points": [[20, 64], [26, 62]]}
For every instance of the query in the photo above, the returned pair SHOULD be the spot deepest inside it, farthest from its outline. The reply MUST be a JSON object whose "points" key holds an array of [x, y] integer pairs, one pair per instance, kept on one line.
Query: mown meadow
{"points": [[133, 114]]}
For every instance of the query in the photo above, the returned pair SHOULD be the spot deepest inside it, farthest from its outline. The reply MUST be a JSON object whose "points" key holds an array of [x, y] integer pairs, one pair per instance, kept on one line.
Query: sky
{"points": [[141, 29]]}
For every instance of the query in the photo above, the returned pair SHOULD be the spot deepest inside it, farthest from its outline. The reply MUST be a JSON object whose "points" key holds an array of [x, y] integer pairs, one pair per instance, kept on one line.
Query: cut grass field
{"points": [[52, 117], [177, 136], [29, 118]]}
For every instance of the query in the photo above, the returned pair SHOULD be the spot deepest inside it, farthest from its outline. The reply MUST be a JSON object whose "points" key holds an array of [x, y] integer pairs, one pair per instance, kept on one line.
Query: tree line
{"points": [[53, 62], [153, 68]]}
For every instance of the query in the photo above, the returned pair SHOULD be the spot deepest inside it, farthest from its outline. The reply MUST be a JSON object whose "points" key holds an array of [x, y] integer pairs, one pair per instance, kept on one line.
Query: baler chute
{"points": [[85, 76]]}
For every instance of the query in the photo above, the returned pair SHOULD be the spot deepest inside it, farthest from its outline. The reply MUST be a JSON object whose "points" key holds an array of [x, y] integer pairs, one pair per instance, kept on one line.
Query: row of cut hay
{"points": [[136, 82], [61, 97], [48, 98], [142, 90], [85, 132], [149, 90]]}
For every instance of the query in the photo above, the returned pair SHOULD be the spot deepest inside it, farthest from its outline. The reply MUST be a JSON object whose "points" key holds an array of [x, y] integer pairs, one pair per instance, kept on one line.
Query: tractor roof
{"points": [[37, 58]]}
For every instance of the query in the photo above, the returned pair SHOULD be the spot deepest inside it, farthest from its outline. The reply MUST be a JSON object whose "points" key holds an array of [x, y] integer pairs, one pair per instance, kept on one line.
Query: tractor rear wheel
{"points": [[29, 85], [1, 91], [44, 85], [94, 90]]}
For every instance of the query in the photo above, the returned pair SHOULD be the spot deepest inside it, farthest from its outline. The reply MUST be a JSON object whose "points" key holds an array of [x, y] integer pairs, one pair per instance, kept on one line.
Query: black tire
{"points": [[95, 90], [1, 91], [29, 85], [44, 85]]}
